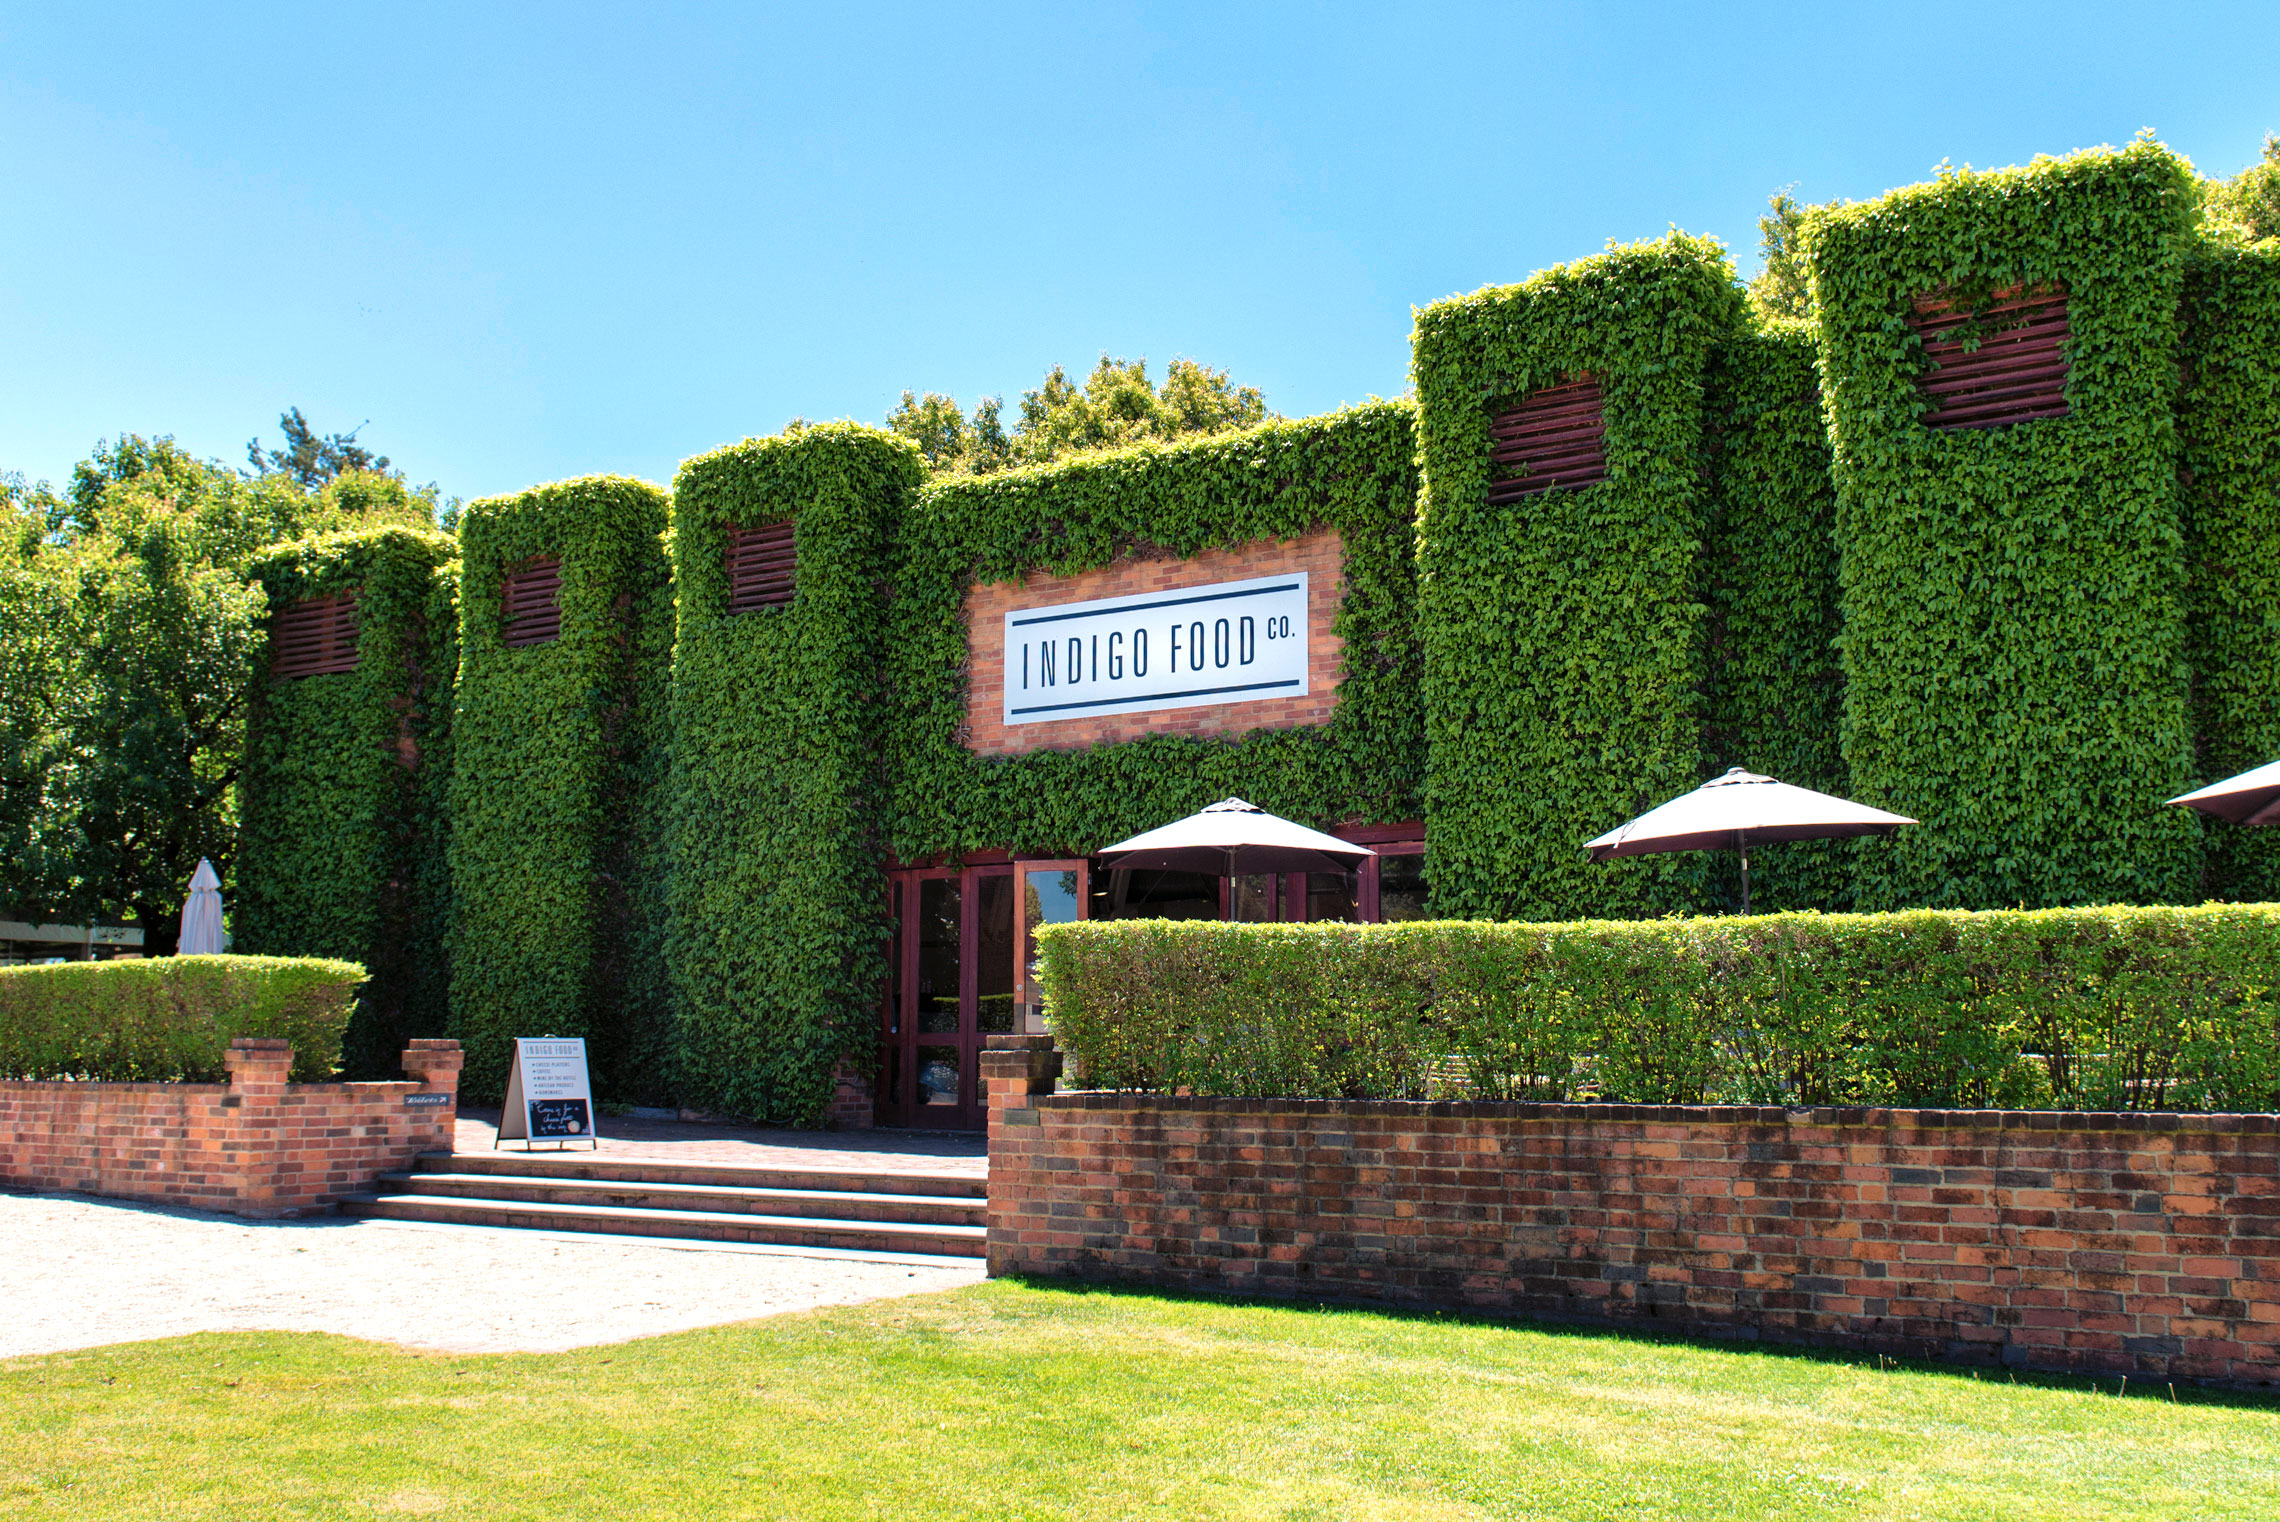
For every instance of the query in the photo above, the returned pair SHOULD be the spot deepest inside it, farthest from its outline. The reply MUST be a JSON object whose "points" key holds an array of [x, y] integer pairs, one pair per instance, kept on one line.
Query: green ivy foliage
{"points": [[1352, 471], [558, 751], [343, 792], [171, 1019], [2014, 608], [1774, 685], [777, 922], [1563, 634], [2230, 422], [2092, 1009]]}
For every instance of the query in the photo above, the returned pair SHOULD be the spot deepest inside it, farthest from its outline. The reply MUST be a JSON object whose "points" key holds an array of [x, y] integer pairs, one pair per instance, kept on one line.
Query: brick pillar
{"points": [[253, 1153], [851, 1108], [434, 1063], [1015, 1069]]}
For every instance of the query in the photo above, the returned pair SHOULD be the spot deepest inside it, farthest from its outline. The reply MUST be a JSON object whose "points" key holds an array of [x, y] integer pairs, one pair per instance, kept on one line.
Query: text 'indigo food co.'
{"points": [[1232, 640]]}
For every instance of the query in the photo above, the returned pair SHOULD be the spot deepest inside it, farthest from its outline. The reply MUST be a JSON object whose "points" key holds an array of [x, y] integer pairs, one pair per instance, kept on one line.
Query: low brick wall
{"points": [[255, 1146], [2146, 1245]]}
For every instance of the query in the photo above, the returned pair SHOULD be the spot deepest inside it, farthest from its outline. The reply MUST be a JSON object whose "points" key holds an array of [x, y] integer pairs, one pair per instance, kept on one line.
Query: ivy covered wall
{"points": [[1773, 683], [666, 828], [1564, 633], [778, 927], [1352, 471], [341, 844], [2014, 597], [2230, 425], [556, 795]]}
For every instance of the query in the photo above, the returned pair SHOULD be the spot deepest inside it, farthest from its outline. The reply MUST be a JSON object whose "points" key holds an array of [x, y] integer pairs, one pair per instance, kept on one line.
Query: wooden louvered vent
{"points": [[2015, 375], [1555, 438], [313, 637], [532, 614], [763, 565]]}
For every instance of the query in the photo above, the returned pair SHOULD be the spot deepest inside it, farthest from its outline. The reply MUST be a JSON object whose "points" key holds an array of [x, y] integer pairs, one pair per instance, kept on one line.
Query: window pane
{"points": [[1049, 898], [993, 951], [940, 911], [1334, 896], [1130, 895], [937, 1075], [1401, 888], [1255, 899]]}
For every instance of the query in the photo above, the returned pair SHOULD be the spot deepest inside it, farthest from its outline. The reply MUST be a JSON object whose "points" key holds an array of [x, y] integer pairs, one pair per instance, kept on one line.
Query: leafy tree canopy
{"points": [[1780, 289], [312, 459], [1116, 405], [2248, 204], [125, 656]]}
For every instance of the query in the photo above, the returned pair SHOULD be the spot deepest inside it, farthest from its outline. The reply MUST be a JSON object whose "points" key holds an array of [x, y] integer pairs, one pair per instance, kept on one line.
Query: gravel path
{"points": [[76, 1272]]}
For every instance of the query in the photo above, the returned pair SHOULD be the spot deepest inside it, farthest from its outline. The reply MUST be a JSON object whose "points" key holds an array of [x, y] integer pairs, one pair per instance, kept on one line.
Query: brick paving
{"points": [[759, 1147]]}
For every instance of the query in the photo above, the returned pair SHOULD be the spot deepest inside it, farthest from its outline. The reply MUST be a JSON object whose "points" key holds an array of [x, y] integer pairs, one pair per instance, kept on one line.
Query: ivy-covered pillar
{"points": [[1774, 683], [777, 921], [2229, 420], [1562, 425], [558, 779], [2001, 355], [347, 762]]}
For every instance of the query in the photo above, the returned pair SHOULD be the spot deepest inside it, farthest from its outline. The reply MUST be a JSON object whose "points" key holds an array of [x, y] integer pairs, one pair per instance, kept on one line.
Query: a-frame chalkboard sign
{"points": [[549, 1097]]}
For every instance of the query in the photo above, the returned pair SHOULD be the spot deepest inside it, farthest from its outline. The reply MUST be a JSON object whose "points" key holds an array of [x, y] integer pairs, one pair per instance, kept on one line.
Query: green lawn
{"points": [[1011, 1400]]}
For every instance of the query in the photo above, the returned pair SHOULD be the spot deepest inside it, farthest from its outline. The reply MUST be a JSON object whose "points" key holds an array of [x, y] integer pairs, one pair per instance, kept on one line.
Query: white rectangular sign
{"points": [[1230, 642], [548, 1096]]}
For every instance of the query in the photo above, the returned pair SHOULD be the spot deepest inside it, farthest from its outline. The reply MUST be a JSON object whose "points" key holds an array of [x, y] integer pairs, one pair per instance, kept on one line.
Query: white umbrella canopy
{"points": [[1235, 839], [2253, 797], [1737, 811], [202, 914]]}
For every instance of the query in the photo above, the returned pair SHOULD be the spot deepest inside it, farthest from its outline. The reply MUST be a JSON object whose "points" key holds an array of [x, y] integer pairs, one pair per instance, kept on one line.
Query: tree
{"points": [[1781, 288], [127, 638], [2248, 204], [312, 460], [1116, 405]]}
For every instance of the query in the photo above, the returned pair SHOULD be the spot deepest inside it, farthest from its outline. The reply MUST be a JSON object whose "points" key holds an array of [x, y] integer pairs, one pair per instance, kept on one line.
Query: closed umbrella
{"points": [[1737, 811], [2253, 797], [1235, 839], [202, 914]]}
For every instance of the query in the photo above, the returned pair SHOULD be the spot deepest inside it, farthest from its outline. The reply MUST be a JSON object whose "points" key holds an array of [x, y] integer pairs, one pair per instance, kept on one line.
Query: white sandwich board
{"points": [[549, 1097]]}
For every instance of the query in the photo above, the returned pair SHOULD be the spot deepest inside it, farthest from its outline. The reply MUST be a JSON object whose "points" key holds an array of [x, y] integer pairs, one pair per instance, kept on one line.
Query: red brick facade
{"points": [[1321, 554], [255, 1146], [2146, 1245]]}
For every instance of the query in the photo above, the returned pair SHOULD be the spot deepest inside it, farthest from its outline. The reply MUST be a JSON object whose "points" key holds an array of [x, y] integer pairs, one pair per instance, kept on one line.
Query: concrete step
{"points": [[703, 1225], [830, 1204], [642, 1170]]}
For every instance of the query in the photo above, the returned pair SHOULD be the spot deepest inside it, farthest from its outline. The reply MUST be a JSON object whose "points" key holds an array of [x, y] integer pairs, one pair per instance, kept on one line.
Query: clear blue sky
{"points": [[534, 242]]}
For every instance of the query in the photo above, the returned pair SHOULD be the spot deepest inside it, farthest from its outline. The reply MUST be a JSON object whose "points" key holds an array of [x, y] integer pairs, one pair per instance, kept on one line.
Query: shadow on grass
{"points": [[2132, 1387]]}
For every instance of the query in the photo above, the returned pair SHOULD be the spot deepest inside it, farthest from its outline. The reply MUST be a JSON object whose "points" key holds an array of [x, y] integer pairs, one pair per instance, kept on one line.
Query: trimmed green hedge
{"points": [[1351, 470], [2014, 597], [556, 796], [341, 848], [1774, 685], [171, 1019], [777, 925], [2230, 422], [2104, 1009], [1563, 634]]}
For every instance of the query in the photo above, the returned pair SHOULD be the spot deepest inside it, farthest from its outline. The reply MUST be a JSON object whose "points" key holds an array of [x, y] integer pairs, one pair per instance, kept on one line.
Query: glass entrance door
{"points": [[954, 985]]}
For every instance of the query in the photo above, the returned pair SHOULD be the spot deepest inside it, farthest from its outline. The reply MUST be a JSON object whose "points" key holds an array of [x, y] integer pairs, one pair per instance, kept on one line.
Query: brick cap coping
{"points": [[1731, 1115]]}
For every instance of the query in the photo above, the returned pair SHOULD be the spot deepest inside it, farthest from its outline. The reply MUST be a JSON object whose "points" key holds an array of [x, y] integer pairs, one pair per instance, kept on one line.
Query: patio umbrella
{"points": [[202, 914], [2253, 797], [1736, 811], [1235, 839]]}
